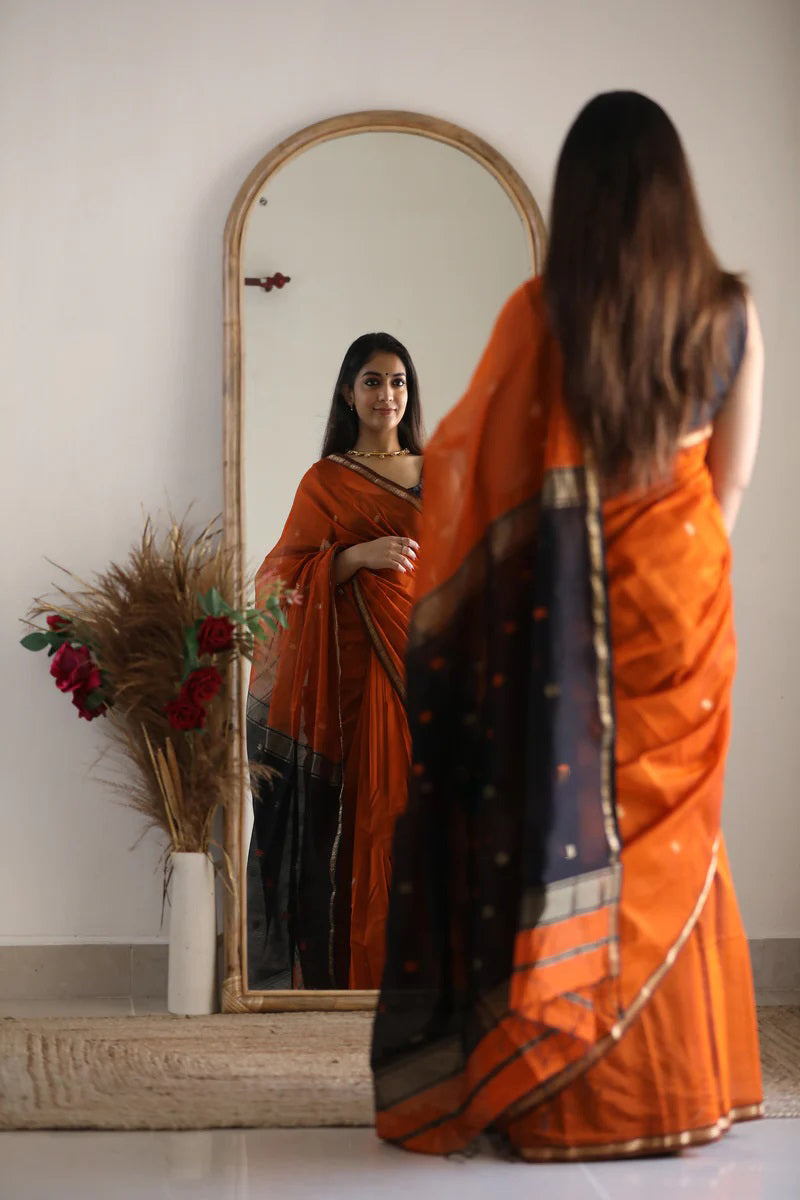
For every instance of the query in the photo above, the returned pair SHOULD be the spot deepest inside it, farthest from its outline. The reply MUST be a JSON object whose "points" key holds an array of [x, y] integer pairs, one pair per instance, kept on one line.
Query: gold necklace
{"points": [[377, 453]]}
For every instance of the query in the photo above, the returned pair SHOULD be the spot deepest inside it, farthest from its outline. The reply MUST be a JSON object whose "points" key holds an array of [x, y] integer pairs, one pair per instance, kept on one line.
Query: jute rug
{"points": [[779, 1033], [280, 1069]]}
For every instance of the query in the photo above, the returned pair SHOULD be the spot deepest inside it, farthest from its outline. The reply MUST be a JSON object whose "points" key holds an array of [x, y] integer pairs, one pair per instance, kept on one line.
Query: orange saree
{"points": [[326, 715], [566, 967]]}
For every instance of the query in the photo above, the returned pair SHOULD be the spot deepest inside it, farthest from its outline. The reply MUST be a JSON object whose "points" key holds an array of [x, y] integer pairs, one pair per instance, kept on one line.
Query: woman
{"points": [[566, 965], [325, 711]]}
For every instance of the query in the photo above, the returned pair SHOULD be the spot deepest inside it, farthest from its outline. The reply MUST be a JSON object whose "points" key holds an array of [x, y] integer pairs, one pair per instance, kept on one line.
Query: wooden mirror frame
{"points": [[236, 997]]}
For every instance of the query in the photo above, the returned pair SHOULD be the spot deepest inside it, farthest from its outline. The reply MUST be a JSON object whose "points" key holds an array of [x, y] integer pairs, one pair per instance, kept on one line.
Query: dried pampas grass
{"points": [[134, 617]]}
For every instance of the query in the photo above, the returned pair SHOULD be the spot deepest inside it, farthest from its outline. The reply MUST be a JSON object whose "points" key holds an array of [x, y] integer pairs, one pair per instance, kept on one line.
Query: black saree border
{"points": [[388, 485], [579, 487], [437, 608], [568, 1075], [286, 749], [563, 489], [290, 751], [573, 488]]}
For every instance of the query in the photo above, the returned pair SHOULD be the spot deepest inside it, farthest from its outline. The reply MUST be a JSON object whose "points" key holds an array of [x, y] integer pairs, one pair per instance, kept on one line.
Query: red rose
{"points": [[79, 698], [66, 661], [74, 671], [57, 623], [85, 678], [202, 685], [184, 714], [215, 635]]}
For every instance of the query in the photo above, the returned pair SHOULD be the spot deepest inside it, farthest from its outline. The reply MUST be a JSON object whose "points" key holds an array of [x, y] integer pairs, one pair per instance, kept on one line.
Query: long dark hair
{"points": [[341, 431], [637, 298]]}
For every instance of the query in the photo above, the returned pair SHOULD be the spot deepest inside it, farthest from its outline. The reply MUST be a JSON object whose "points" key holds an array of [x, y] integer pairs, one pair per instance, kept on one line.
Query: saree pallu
{"points": [[566, 967], [325, 715]]}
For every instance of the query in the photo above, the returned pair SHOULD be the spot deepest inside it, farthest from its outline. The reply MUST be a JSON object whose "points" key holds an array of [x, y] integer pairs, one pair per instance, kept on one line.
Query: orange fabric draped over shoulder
{"points": [[326, 715], [566, 965]]}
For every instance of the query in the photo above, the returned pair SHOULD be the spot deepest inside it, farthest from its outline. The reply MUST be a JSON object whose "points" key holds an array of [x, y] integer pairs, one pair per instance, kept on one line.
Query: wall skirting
{"points": [[83, 970], [776, 969], [101, 970]]}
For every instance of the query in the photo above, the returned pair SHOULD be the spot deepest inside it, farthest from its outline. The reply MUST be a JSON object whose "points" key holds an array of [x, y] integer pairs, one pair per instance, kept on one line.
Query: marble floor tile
{"points": [[757, 1161]]}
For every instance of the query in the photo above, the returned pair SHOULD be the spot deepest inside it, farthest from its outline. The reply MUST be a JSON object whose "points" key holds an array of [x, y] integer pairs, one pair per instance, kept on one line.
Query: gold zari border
{"points": [[377, 641], [572, 1072], [375, 477], [637, 1147], [580, 1066], [594, 530]]}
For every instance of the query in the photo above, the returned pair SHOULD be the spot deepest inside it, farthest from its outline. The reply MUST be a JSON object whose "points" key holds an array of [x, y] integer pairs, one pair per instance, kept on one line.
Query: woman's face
{"points": [[380, 393]]}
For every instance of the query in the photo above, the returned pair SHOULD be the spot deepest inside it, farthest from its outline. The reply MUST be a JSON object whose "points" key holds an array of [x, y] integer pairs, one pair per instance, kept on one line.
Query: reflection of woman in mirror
{"points": [[326, 707], [566, 963]]}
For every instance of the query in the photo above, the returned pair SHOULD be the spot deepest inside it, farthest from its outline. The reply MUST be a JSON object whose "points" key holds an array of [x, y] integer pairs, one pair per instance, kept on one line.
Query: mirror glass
{"points": [[374, 231]]}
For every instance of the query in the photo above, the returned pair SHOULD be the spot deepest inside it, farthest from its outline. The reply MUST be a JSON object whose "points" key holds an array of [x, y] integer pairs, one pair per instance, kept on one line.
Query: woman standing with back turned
{"points": [[566, 965]]}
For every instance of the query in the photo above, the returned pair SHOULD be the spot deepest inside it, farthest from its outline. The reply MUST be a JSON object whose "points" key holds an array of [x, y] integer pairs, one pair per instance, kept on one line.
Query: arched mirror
{"points": [[380, 221]]}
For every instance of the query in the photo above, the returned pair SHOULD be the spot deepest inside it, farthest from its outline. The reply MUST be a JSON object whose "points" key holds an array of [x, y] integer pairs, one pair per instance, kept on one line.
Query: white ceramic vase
{"points": [[191, 979]]}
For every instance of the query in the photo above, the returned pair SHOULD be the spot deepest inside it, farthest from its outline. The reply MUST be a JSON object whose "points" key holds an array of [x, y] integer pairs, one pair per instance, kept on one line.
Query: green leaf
{"points": [[95, 699], [191, 650], [282, 618], [216, 605], [35, 640], [213, 605]]}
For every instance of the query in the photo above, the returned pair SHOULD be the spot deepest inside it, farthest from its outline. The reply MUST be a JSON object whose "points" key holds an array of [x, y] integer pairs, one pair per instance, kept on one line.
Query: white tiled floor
{"points": [[757, 1161]]}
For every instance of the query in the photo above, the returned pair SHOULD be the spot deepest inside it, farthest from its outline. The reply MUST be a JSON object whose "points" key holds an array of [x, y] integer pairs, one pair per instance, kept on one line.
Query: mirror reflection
{"points": [[384, 259]]}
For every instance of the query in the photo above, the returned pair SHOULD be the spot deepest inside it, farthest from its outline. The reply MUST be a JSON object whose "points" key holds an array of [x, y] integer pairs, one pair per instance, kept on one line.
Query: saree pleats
{"points": [[566, 965], [376, 797], [327, 735], [688, 1063], [683, 1070]]}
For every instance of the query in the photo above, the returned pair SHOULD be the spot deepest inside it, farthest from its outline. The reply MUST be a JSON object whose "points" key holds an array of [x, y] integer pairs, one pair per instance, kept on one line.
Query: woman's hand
{"points": [[383, 554], [388, 553]]}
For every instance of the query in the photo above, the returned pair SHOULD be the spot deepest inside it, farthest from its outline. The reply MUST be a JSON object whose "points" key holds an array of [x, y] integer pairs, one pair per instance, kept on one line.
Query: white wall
{"points": [[126, 130]]}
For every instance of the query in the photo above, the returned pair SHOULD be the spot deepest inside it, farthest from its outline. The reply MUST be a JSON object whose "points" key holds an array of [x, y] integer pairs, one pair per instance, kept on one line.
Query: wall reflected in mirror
{"points": [[378, 231]]}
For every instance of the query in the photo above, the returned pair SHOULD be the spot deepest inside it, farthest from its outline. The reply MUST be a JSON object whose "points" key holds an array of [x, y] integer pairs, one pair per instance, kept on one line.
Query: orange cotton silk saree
{"points": [[325, 713], [566, 966]]}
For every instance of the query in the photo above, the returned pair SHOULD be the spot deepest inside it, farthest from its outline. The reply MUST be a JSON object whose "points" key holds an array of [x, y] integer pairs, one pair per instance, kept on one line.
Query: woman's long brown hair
{"points": [[638, 301]]}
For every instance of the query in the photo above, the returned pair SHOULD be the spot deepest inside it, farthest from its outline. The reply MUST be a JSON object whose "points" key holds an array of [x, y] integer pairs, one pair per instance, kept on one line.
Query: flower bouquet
{"points": [[148, 647]]}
